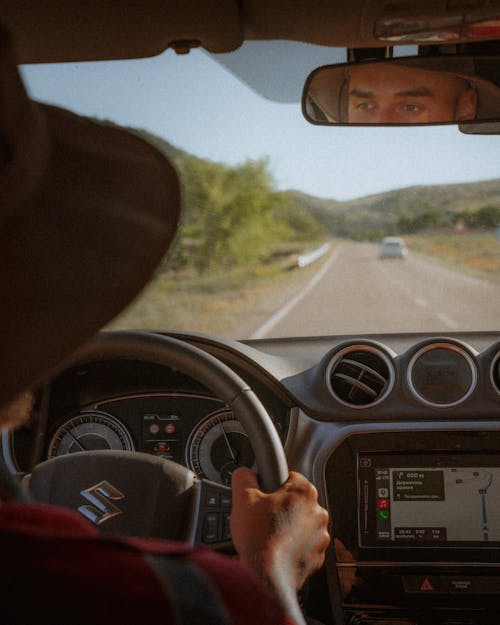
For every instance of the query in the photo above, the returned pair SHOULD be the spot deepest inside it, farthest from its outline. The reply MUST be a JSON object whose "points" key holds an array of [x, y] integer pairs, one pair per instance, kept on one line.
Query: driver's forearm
{"points": [[287, 598], [276, 580]]}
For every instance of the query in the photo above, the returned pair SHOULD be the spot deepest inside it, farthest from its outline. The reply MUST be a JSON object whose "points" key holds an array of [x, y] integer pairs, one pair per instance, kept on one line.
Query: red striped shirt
{"points": [[56, 568]]}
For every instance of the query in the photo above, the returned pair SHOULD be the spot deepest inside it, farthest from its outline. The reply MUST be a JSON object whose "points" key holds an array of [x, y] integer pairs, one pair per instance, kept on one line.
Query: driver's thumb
{"points": [[244, 478]]}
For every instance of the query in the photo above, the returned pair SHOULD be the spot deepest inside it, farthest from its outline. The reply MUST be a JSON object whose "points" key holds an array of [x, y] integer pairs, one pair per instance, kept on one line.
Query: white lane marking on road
{"points": [[420, 301], [448, 321], [283, 312]]}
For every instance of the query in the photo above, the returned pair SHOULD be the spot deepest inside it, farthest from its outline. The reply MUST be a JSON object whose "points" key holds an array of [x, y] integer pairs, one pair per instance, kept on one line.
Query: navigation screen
{"points": [[428, 499]]}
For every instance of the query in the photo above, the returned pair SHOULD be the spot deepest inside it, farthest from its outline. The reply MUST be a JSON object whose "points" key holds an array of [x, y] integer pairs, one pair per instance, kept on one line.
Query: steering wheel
{"points": [[143, 495]]}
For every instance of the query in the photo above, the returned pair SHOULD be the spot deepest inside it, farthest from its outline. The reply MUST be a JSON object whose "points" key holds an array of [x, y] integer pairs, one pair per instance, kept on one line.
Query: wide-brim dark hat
{"points": [[87, 211]]}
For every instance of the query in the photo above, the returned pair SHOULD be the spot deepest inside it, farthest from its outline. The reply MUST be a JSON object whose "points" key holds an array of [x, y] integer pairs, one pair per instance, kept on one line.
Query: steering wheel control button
{"points": [[226, 526], [210, 527], [214, 514], [212, 499]]}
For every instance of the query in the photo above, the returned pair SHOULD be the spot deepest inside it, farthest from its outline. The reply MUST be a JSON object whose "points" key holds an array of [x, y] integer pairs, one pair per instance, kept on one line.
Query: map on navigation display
{"points": [[445, 504]]}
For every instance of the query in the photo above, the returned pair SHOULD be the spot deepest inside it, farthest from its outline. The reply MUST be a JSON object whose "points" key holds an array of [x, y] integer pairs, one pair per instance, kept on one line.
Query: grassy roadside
{"points": [[474, 253], [233, 303]]}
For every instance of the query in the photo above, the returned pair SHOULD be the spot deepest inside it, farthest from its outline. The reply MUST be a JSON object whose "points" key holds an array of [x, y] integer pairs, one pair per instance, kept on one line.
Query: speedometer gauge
{"points": [[218, 446], [90, 431]]}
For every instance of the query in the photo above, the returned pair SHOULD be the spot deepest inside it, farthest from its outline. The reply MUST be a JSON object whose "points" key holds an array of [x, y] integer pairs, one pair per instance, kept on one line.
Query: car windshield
{"points": [[283, 221]]}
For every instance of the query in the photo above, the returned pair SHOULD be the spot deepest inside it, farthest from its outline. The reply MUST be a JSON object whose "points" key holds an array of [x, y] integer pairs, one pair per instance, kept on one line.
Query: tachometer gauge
{"points": [[218, 446], [90, 431]]}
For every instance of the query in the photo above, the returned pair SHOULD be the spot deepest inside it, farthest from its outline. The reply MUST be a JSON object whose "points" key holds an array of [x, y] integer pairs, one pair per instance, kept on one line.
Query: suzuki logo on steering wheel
{"points": [[101, 496]]}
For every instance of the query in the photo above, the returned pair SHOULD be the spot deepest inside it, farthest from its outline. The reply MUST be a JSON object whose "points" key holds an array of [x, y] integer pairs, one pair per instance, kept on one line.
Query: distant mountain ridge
{"points": [[457, 197], [384, 211]]}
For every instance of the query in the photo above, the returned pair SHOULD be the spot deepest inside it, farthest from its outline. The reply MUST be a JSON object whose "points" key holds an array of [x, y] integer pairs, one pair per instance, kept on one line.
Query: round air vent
{"points": [[495, 372], [442, 374], [360, 375]]}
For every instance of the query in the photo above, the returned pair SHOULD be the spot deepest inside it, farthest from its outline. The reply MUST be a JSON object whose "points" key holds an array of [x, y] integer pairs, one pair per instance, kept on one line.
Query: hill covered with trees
{"points": [[409, 210]]}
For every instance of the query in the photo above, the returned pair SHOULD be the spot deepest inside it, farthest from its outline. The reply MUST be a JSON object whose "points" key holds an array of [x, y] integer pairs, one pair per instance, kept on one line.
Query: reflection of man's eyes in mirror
{"points": [[412, 108], [397, 110], [364, 106], [407, 107]]}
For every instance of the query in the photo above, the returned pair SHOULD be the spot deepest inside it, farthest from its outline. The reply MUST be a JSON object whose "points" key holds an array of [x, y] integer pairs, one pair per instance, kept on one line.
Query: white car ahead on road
{"points": [[393, 247]]}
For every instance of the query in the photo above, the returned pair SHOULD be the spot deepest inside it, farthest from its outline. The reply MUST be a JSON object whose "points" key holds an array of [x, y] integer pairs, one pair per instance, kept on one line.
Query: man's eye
{"points": [[412, 108], [365, 106]]}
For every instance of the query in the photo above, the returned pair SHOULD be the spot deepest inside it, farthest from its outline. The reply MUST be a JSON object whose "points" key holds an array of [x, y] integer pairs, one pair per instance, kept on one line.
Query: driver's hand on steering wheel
{"points": [[282, 536]]}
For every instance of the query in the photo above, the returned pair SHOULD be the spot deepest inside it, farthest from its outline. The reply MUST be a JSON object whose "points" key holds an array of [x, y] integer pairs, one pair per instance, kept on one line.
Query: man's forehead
{"points": [[399, 77], [413, 92]]}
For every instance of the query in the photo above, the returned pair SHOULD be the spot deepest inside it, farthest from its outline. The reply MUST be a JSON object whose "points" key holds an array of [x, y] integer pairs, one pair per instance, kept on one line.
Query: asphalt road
{"points": [[356, 292]]}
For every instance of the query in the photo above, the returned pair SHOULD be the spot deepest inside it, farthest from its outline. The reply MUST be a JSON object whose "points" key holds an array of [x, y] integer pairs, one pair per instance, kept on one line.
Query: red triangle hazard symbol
{"points": [[426, 585]]}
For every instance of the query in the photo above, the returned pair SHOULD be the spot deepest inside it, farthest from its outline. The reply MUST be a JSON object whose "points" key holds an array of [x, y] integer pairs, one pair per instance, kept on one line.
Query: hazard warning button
{"points": [[425, 584]]}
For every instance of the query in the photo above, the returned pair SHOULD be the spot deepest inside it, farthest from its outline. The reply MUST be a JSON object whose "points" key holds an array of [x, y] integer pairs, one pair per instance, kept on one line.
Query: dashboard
{"points": [[399, 433]]}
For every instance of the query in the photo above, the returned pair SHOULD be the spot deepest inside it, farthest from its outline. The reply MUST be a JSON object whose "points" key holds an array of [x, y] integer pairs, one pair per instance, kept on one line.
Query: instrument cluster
{"points": [[138, 407], [196, 430]]}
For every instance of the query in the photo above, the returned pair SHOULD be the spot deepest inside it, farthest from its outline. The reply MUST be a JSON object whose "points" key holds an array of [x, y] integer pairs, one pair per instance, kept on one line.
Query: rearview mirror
{"points": [[404, 91]]}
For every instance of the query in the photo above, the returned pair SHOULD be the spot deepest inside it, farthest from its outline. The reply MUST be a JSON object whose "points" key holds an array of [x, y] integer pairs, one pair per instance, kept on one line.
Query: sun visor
{"points": [[52, 31]]}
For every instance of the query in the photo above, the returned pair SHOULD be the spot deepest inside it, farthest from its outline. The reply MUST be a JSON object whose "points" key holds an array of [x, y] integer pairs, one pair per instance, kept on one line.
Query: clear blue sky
{"points": [[200, 107]]}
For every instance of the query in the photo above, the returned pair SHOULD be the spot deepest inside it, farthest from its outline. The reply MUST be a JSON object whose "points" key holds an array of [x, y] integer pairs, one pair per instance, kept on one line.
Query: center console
{"points": [[416, 526]]}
